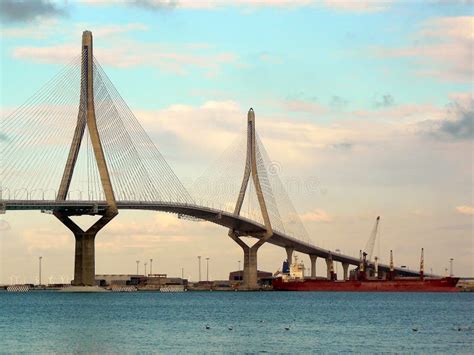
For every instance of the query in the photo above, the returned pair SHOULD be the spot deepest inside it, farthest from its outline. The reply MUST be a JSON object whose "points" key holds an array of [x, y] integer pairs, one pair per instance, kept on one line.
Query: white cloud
{"points": [[442, 49], [111, 30], [359, 5], [49, 28], [339, 5], [40, 30], [61, 54], [177, 59]]}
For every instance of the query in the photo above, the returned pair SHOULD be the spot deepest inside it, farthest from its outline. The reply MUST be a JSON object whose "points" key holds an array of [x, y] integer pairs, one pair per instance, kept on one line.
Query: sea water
{"points": [[238, 322]]}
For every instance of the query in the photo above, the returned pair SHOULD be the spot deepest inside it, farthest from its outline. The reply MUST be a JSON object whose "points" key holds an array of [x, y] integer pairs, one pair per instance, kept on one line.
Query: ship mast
{"points": [[422, 265], [391, 273]]}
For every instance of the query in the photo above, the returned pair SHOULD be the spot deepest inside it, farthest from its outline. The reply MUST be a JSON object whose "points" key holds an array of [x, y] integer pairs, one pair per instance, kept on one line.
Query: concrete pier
{"points": [[250, 275], [330, 268], [84, 260], [345, 271], [289, 254], [250, 268], [313, 259]]}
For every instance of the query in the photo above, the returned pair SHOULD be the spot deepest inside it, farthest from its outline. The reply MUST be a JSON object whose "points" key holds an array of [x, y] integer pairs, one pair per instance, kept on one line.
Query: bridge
{"points": [[114, 161]]}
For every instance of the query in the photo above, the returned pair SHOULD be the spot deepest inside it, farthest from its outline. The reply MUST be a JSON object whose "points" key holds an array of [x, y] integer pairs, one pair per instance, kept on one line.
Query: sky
{"points": [[370, 103]]}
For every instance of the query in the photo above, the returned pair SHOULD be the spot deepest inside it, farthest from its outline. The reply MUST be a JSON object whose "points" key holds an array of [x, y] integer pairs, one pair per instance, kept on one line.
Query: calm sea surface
{"points": [[155, 322]]}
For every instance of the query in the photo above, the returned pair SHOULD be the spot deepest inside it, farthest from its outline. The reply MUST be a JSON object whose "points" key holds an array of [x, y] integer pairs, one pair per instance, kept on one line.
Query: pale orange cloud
{"points": [[317, 215], [43, 239], [468, 210]]}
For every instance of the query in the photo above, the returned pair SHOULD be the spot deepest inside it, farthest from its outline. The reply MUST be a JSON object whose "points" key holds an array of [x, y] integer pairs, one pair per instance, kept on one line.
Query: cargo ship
{"points": [[292, 279]]}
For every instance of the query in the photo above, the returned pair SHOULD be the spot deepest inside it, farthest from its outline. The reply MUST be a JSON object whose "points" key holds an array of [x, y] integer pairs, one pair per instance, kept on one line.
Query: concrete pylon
{"points": [[84, 264], [330, 268], [250, 253], [313, 259], [345, 271], [289, 255]]}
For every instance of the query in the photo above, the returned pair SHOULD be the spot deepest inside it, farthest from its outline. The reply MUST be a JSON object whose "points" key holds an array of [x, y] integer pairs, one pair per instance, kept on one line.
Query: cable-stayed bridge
{"points": [[75, 148]]}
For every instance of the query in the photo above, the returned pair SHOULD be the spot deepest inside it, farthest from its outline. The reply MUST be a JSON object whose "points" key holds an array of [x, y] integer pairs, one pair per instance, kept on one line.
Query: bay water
{"points": [[237, 322]]}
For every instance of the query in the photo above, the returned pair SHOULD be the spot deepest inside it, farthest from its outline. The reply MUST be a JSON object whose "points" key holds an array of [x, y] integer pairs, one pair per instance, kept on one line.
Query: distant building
{"points": [[152, 280], [239, 275], [113, 279]]}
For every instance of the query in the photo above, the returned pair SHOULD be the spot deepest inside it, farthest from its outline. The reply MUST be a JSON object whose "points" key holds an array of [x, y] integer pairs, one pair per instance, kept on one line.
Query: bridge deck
{"points": [[243, 226]]}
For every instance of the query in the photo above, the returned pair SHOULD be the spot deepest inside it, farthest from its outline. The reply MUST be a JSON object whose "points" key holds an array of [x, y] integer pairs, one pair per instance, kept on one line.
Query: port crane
{"points": [[369, 247]]}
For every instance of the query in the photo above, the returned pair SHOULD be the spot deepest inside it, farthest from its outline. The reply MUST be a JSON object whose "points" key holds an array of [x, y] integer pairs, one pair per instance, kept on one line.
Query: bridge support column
{"points": [[330, 268], [345, 271], [84, 260], [250, 281], [313, 265], [289, 255], [250, 268]]}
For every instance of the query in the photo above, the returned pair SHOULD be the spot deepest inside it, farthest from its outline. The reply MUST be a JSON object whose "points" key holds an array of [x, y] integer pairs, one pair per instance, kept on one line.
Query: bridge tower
{"points": [[250, 252], [84, 264]]}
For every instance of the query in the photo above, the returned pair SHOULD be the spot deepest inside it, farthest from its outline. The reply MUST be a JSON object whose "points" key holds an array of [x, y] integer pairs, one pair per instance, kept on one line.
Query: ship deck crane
{"points": [[369, 247]]}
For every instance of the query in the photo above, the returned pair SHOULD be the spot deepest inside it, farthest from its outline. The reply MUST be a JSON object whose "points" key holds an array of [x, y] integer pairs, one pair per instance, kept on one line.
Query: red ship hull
{"points": [[446, 284]]}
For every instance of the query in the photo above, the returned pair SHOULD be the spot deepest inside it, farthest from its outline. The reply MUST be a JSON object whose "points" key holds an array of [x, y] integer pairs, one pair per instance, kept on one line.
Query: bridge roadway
{"points": [[243, 226]]}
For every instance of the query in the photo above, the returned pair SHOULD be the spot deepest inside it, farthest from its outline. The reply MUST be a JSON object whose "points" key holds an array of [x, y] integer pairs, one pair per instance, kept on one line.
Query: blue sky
{"points": [[374, 99], [278, 52]]}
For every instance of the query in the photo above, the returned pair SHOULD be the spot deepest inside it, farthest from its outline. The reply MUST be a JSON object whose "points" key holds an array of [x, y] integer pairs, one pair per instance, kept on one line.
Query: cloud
{"points": [[421, 212], [41, 30], [317, 215], [338, 102], [155, 4], [342, 146], [149, 232], [468, 210], [4, 225], [110, 30], [458, 124], [12, 11], [304, 106], [49, 27], [60, 54], [442, 48], [358, 6], [456, 227], [384, 101], [361, 6], [45, 238], [461, 128], [177, 59], [184, 128]]}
